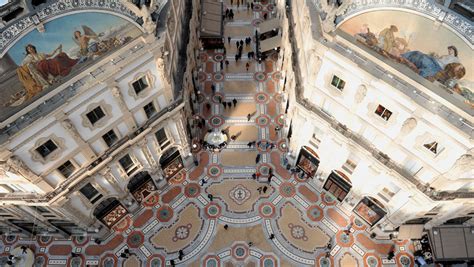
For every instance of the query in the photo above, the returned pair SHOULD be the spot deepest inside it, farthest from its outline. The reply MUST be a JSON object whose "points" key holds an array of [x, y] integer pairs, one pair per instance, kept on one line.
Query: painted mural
{"points": [[432, 51], [40, 61]]}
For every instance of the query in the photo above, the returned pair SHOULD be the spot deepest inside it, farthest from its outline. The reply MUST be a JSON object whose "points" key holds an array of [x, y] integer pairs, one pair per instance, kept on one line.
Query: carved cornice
{"points": [[428, 8], [18, 29]]}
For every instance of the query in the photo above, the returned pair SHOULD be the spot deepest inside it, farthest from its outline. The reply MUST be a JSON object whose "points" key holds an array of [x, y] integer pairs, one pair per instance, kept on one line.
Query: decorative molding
{"points": [[426, 7], [106, 108], [360, 94], [15, 31], [150, 79], [58, 141]]}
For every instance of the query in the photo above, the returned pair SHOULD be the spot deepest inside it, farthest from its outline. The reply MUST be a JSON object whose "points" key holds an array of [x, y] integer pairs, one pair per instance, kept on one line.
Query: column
{"points": [[128, 117], [72, 130]]}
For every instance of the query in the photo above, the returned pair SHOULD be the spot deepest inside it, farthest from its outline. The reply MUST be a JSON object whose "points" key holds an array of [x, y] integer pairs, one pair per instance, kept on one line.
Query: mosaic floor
{"points": [[301, 218]]}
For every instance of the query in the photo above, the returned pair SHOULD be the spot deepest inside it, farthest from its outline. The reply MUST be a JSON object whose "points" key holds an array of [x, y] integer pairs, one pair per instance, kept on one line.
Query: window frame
{"points": [[152, 104], [44, 145], [339, 82], [131, 168], [140, 81], [53, 155], [72, 164], [93, 198], [107, 134], [167, 142], [149, 80], [382, 113], [93, 111]]}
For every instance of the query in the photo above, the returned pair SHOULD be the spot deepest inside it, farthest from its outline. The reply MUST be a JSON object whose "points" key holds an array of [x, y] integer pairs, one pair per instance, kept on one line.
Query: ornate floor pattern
{"points": [[301, 218]]}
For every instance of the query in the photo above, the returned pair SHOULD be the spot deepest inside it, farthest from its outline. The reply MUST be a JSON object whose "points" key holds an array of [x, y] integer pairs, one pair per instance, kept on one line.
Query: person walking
{"points": [[180, 255], [226, 63], [247, 66], [271, 236], [234, 101], [210, 196], [249, 144], [208, 106], [236, 58], [265, 188], [269, 179], [251, 5], [257, 159], [226, 226], [233, 137], [254, 176], [224, 104], [222, 64], [259, 189], [229, 104], [228, 39], [248, 117], [213, 88]]}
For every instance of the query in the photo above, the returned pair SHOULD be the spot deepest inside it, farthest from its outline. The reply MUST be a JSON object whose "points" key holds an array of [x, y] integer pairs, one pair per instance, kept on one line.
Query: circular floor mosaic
{"points": [[276, 76], [192, 190], [240, 252], [164, 214], [218, 57], [182, 232], [135, 239], [328, 199], [261, 98], [214, 170], [216, 121], [218, 77], [315, 213], [262, 120], [260, 76], [287, 190], [213, 210], [264, 169], [372, 261], [267, 210], [297, 232], [344, 240], [216, 97], [257, 22], [405, 261], [257, 7]]}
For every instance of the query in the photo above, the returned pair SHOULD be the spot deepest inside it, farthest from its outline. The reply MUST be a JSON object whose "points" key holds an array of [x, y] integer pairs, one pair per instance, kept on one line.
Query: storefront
{"points": [[141, 185], [338, 184], [370, 210], [171, 163], [110, 212], [308, 161]]}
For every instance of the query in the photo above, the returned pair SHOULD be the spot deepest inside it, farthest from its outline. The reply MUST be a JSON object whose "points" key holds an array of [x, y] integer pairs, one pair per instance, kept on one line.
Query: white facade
{"points": [[31, 180], [334, 108]]}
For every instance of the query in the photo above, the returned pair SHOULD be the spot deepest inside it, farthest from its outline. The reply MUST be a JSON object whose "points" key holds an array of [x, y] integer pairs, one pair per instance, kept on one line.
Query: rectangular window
{"points": [[149, 109], [95, 115], [110, 138], [127, 164], [383, 112], [338, 82], [162, 138], [90, 193], [349, 166], [45, 149], [67, 169], [139, 85], [433, 147]]}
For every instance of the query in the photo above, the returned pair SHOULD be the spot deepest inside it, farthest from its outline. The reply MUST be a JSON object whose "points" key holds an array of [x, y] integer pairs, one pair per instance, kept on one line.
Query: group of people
{"points": [[229, 14]]}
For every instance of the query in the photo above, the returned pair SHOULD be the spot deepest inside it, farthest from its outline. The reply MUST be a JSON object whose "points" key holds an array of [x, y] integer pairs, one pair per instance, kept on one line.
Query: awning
{"points": [[269, 44], [452, 243], [410, 231], [211, 19], [269, 25]]}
